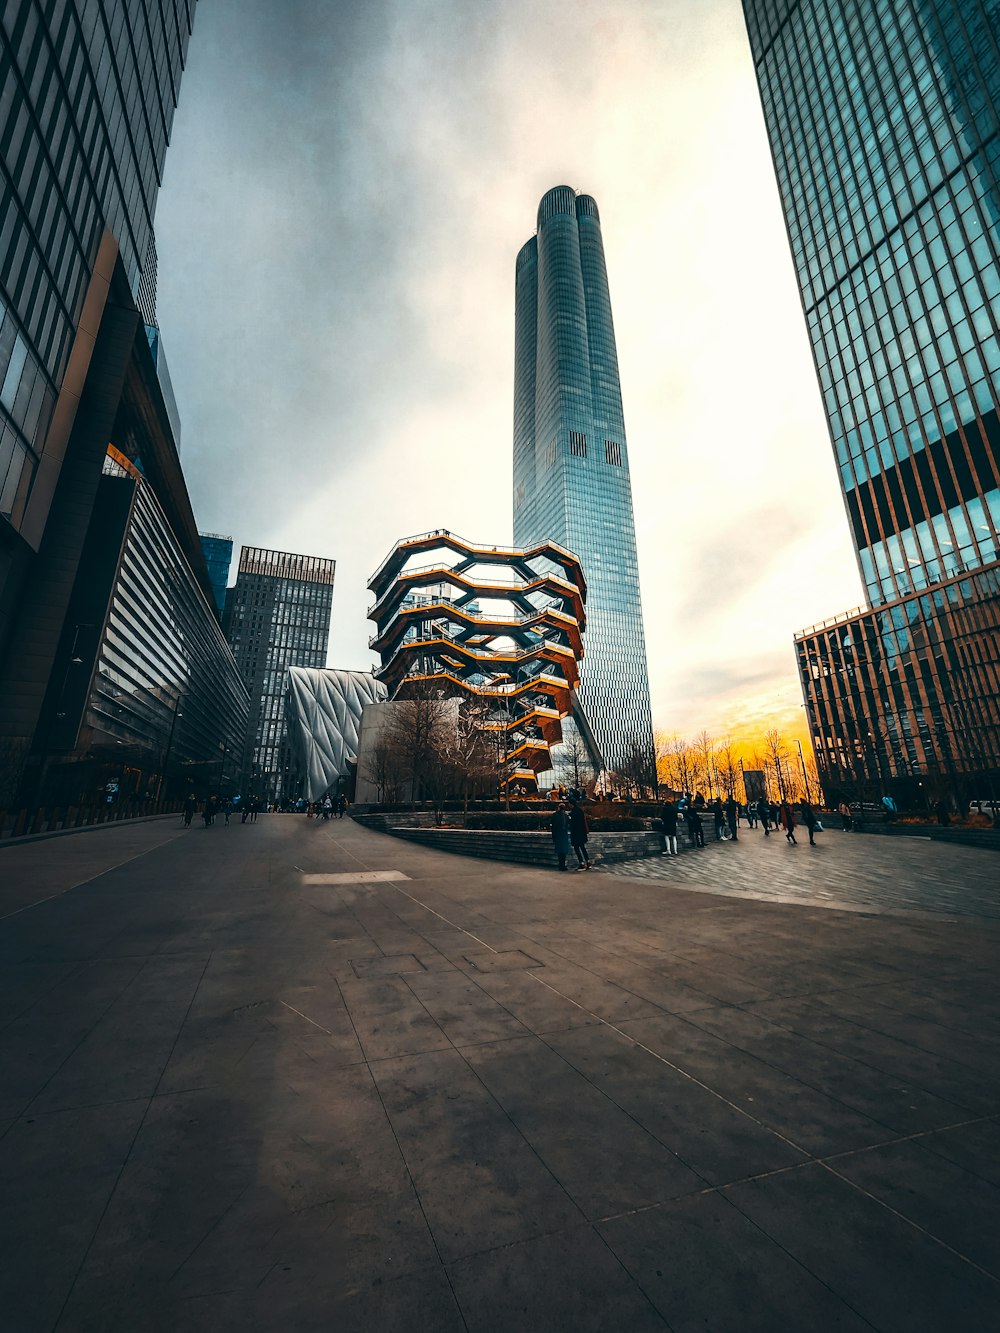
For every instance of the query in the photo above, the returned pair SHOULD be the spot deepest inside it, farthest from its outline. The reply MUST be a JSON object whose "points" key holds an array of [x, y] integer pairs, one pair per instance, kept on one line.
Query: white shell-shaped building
{"points": [[323, 708]]}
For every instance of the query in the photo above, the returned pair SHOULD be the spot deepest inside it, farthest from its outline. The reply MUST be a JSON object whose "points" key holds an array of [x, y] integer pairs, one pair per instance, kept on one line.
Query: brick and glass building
{"points": [[884, 124], [277, 616], [571, 467], [88, 91]]}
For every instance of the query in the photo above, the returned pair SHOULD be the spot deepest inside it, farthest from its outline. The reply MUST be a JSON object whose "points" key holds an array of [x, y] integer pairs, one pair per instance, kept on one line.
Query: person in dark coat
{"points": [[809, 819], [695, 831], [559, 825], [668, 822], [719, 815], [788, 823], [190, 809], [764, 815], [733, 818], [578, 831]]}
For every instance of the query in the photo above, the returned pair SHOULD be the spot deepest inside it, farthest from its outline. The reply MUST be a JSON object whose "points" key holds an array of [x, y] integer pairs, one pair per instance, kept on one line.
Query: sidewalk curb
{"points": [[84, 828]]}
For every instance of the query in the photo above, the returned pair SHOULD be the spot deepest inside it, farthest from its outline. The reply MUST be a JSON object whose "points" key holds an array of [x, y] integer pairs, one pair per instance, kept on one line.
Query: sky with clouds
{"points": [[346, 191]]}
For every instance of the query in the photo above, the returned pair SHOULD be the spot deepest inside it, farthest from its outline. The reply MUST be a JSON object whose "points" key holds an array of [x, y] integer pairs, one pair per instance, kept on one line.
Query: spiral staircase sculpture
{"points": [[517, 658]]}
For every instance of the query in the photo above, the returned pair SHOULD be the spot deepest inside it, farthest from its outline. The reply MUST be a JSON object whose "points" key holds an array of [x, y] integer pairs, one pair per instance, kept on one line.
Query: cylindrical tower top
{"points": [[527, 253], [561, 199], [586, 207]]}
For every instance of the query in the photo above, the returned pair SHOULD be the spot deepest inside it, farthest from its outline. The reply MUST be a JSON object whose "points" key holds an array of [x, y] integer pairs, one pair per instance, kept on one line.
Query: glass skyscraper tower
{"points": [[883, 122], [571, 475], [277, 615]]}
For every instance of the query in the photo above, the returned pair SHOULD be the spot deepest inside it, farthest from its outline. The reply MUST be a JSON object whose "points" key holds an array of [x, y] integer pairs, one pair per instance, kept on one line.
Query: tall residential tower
{"points": [[884, 123], [277, 616], [571, 475]]}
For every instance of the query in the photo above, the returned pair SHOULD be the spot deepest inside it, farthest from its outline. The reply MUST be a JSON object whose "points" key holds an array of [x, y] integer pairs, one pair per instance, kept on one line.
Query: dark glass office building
{"points": [[571, 473], [218, 558], [883, 122], [277, 616], [87, 91], [150, 703]]}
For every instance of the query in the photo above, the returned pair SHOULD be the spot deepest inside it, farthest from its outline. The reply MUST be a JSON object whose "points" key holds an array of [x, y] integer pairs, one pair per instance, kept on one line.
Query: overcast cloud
{"points": [[346, 191]]}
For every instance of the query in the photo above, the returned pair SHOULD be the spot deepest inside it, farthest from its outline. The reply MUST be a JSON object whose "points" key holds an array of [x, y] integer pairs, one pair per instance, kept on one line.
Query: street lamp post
{"points": [[805, 775]]}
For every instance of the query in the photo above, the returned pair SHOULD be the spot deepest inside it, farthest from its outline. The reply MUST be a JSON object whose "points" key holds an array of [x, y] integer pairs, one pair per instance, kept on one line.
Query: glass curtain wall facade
{"points": [[571, 472], [150, 702], [87, 90], [883, 123], [219, 558], [277, 616]]}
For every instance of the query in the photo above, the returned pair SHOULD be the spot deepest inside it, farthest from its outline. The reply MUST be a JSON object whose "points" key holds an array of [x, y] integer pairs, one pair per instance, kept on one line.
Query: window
{"points": [[577, 444], [613, 452]]}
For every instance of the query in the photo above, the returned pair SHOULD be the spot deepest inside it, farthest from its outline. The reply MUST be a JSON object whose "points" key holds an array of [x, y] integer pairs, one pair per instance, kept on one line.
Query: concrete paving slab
{"points": [[708, 1269], [390, 1020], [815, 1122], [59, 1172], [715, 1139], [609, 1163], [891, 1102], [896, 1275], [957, 1206], [933, 1073], [569, 1280], [479, 1182], [463, 1011], [975, 1146]]}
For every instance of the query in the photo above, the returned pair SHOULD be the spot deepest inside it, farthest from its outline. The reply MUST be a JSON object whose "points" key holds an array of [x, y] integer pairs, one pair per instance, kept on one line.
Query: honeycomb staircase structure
{"points": [[499, 627]]}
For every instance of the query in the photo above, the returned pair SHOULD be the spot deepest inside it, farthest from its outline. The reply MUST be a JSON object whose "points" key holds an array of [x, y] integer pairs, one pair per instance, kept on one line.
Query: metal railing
{"points": [[60, 818]]}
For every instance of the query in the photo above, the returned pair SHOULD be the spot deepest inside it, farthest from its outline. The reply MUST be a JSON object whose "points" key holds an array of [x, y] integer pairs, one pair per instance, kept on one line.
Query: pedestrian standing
{"points": [[752, 814], [719, 816], [846, 820], [733, 817], [788, 822], [695, 831], [341, 805], [668, 822], [190, 809], [560, 834], [578, 832], [227, 809]]}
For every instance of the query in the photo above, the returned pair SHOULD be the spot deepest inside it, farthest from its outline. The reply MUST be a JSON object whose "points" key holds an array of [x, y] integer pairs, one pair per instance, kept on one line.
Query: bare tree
{"points": [[776, 761], [728, 766], [576, 757], [384, 770], [420, 732], [705, 748]]}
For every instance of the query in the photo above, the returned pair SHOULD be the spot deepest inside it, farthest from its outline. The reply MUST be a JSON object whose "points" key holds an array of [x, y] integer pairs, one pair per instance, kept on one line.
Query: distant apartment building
{"points": [[277, 616]]}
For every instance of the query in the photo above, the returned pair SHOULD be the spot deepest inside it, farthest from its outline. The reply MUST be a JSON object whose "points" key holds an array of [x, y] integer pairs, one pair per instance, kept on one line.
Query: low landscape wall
{"points": [[524, 848]]}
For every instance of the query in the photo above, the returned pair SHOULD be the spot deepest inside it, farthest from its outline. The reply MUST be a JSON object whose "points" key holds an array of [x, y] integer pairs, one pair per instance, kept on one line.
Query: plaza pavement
{"points": [[301, 1076]]}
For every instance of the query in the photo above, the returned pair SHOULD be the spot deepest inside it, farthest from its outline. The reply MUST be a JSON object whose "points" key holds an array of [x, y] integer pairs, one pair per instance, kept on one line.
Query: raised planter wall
{"points": [[523, 848]]}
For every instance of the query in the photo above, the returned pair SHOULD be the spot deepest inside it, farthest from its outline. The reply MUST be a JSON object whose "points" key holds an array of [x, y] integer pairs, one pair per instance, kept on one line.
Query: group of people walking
{"points": [[215, 805], [570, 828], [327, 807], [726, 819]]}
